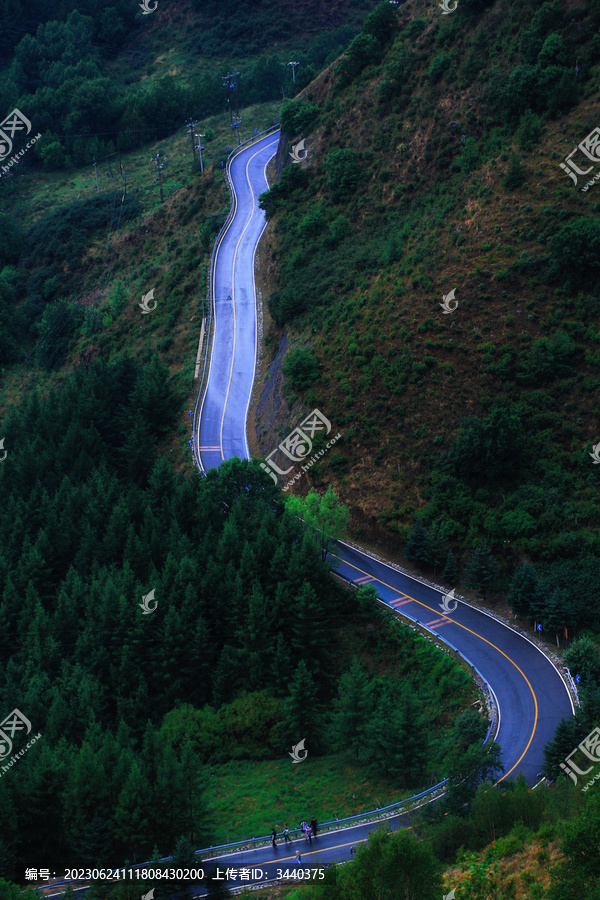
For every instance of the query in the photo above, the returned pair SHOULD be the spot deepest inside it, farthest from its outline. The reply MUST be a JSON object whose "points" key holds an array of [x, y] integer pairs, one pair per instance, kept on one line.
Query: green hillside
{"points": [[434, 166], [435, 145]]}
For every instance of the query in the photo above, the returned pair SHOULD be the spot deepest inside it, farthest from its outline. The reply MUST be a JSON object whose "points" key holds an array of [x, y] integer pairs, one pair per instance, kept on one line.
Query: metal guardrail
{"points": [[210, 291], [573, 686]]}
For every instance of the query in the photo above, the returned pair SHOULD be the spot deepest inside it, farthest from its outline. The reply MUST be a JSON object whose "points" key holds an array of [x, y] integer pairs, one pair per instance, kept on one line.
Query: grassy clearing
{"points": [[249, 798]]}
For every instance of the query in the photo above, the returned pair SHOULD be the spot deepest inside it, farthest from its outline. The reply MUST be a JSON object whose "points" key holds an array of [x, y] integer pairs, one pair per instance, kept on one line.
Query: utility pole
{"points": [[122, 174], [229, 85], [190, 130], [235, 85], [160, 160], [293, 65], [236, 124], [96, 174], [200, 148]]}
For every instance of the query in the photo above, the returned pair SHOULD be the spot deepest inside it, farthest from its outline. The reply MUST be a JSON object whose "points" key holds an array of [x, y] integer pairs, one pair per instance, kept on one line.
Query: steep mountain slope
{"points": [[434, 166]]}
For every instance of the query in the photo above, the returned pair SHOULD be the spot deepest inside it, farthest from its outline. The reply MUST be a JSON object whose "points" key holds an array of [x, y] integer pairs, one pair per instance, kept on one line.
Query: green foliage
{"points": [[324, 514], [489, 448], [53, 156], [339, 229], [481, 570], [298, 116], [529, 131], [301, 367], [450, 571], [574, 251], [363, 51], [382, 22], [293, 179], [525, 595], [55, 330], [548, 359], [417, 548], [344, 172], [553, 52], [241, 729], [516, 173], [576, 876], [440, 67], [12, 239], [583, 658], [390, 865]]}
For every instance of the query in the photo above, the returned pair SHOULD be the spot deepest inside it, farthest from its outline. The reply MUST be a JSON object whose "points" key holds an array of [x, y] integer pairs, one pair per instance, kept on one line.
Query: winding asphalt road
{"points": [[222, 420], [531, 695]]}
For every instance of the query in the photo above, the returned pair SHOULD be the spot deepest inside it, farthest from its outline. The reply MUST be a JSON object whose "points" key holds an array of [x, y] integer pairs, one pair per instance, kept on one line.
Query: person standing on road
{"points": [[273, 837], [309, 834], [298, 858], [314, 826], [286, 835]]}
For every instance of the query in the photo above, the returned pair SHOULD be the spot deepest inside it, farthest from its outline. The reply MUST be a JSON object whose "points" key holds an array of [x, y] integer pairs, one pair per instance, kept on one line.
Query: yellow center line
{"points": [[464, 627], [233, 294]]}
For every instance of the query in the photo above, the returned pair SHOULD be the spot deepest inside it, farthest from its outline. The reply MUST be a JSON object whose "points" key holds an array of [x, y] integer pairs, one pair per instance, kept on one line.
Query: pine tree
{"points": [[417, 549], [7, 862], [524, 590], [351, 709], [302, 712], [95, 844], [450, 573], [516, 173], [481, 570], [183, 857], [118, 297]]}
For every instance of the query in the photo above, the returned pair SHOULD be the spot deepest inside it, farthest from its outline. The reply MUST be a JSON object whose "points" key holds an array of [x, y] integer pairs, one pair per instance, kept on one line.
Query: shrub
{"points": [[298, 116], [363, 50], [575, 249], [343, 169], [440, 67], [55, 330], [489, 448], [548, 359], [515, 173], [340, 228], [529, 131], [12, 239], [381, 23], [301, 368]]}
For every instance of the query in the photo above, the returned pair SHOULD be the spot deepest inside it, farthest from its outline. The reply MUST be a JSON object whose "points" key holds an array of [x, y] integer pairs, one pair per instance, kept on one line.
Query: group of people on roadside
{"points": [[309, 831]]}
